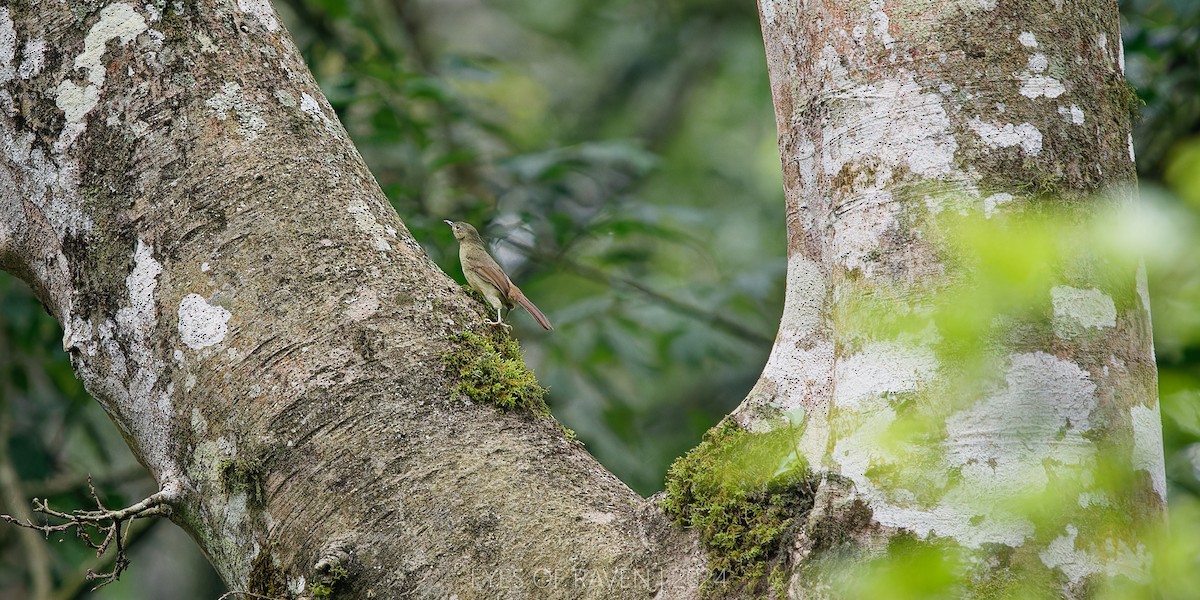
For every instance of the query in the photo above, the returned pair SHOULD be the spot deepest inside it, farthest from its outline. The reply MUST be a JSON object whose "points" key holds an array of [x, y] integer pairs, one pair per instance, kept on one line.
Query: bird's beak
{"points": [[448, 222]]}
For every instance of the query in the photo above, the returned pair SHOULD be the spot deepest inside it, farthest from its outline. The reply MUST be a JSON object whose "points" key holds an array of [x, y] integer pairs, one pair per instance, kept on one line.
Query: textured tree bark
{"points": [[890, 113], [239, 295]]}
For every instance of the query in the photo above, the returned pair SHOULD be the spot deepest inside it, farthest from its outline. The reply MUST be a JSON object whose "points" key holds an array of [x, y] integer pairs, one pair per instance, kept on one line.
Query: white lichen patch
{"points": [[1003, 444], [1061, 554], [882, 368], [1007, 135], [201, 324], [199, 423], [1046, 405], [1087, 499], [312, 108], [122, 367], [1003, 448], [141, 282], [855, 451], [1120, 54], [1038, 63], [1072, 113], [297, 585], [894, 122], [1148, 446], [867, 445], [598, 518], [261, 9], [768, 10], [1027, 39], [971, 528], [206, 44], [286, 98], [880, 23], [33, 58], [1077, 309], [830, 62], [367, 223], [119, 22], [1113, 558], [1036, 86], [232, 514], [8, 45], [136, 324], [1132, 158], [249, 115], [49, 183], [970, 513]]}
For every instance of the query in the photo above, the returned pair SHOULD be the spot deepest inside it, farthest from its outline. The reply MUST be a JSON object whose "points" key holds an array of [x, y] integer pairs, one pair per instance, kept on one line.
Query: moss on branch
{"points": [[491, 370], [742, 492]]}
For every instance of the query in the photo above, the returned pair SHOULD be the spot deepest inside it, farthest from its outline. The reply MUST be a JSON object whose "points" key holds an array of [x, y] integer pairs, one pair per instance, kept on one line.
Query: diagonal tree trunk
{"points": [[325, 411], [273, 344]]}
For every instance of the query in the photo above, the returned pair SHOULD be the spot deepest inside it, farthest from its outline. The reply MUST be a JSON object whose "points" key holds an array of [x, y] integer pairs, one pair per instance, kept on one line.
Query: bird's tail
{"points": [[532, 310]]}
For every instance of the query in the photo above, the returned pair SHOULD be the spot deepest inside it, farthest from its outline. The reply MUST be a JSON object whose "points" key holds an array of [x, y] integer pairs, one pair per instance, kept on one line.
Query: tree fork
{"points": [[239, 295]]}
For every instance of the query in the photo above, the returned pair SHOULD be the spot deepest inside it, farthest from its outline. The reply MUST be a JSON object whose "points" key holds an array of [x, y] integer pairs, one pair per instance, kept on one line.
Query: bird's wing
{"points": [[495, 276]]}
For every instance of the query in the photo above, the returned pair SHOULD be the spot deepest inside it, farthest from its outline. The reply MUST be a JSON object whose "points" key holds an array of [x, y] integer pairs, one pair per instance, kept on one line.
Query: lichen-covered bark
{"points": [[238, 294], [891, 115]]}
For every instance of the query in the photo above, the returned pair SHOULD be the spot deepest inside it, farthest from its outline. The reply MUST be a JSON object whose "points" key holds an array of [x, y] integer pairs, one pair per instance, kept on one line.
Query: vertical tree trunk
{"points": [[893, 115]]}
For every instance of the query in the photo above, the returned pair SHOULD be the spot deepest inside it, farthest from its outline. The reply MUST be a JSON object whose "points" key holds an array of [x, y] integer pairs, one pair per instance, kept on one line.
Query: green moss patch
{"points": [[328, 584], [742, 492], [244, 476], [266, 579], [492, 371]]}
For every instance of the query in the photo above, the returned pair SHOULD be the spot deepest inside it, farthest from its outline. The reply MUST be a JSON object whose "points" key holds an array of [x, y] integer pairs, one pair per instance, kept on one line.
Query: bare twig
{"points": [[108, 523], [72, 586]]}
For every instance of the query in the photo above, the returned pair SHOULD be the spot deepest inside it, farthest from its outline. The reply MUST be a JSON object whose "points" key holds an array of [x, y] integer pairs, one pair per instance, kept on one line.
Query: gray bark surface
{"points": [[239, 295]]}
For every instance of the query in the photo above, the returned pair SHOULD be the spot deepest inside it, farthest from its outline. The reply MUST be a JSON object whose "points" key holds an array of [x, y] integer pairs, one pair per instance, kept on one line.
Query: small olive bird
{"points": [[486, 276]]}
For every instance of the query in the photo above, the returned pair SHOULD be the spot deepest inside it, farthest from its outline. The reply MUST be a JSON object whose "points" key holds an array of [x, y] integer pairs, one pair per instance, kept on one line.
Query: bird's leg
{"points": [[499, 322]]}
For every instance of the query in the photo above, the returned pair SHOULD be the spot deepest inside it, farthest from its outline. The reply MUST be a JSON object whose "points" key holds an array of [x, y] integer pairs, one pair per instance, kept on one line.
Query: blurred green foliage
{"points": [[1070, 485], [1162, 60], [622, 155]]}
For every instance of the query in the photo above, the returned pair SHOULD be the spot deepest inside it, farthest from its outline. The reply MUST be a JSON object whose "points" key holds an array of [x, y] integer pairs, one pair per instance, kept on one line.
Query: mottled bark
{"points": [[241, 298], [238, 294], [891, 112]]}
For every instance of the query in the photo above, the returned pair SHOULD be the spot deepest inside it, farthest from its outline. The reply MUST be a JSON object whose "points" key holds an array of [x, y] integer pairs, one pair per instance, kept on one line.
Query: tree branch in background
{"points": [[103, 521], [12, 495], [74, 585], [71, 482], [716, 320]]}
